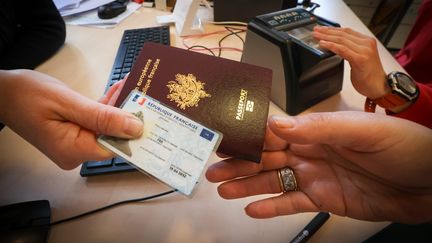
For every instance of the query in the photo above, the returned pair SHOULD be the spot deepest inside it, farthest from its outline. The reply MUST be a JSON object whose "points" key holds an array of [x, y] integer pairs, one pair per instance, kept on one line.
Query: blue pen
{"points": [[312, 227]]}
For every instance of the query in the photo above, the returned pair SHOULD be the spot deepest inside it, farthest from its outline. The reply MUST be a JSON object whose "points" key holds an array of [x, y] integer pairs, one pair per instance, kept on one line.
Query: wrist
{"points": [[380, 87], [400, 93]]}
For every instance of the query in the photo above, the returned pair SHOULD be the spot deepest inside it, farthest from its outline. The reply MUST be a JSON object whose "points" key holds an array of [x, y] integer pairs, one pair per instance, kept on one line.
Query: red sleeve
{"points": [[415, 56], [421, 110]]}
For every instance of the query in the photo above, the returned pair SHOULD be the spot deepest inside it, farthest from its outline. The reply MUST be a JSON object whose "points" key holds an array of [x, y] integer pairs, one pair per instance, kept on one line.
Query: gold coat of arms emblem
{"points": [[186, 91]]}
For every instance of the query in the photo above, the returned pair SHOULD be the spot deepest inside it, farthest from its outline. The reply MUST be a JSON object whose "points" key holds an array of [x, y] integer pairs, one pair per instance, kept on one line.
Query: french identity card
{"points": [[173, 148]]}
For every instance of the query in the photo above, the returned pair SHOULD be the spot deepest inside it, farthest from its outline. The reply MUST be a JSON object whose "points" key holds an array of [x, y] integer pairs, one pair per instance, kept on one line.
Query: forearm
{"points": [[58, 121]]}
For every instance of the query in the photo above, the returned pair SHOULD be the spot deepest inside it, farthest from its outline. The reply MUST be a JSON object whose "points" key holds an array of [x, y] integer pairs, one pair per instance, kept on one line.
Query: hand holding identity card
{"points": [[173, 148]]}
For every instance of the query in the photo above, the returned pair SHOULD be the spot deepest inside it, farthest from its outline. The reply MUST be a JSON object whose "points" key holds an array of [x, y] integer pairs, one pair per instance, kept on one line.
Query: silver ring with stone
{"points": [[287, 179]]}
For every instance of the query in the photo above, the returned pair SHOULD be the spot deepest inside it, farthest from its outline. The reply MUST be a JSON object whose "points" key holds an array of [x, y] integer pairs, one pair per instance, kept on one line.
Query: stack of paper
{"points": [[70, 7], [84, 12]]}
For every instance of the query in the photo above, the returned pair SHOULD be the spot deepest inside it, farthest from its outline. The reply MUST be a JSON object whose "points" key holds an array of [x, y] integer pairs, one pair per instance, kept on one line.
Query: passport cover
{"points": [[229, 96]]}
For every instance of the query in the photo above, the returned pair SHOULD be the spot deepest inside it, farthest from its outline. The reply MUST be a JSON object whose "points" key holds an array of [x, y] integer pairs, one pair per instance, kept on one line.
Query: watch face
{"points": [[406, 83]]}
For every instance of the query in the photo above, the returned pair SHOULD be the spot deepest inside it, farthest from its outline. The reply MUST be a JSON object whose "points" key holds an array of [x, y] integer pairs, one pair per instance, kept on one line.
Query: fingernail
{"points": [[283, 122], [133, 127], [126, 76]]}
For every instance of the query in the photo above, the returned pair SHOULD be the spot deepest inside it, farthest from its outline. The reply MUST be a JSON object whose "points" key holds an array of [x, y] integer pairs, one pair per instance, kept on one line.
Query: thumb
{"points": [[104, 119], [344, 128]]}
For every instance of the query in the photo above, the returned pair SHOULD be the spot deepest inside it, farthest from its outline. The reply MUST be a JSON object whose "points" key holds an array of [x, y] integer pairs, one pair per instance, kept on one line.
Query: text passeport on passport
{"points": [[226, 95]]}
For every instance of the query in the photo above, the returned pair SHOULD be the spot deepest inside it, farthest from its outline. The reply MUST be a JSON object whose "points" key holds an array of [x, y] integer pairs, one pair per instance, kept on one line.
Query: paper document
{"points": [[66, 7], [91, 18]]}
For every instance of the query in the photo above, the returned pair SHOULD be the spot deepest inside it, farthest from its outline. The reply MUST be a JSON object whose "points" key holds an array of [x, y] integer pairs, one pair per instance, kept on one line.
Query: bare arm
{"points": [[57, 120]]}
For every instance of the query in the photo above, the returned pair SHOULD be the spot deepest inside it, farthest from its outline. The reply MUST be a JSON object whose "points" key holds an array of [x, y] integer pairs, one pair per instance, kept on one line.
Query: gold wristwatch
{"points": [[403, 90]]}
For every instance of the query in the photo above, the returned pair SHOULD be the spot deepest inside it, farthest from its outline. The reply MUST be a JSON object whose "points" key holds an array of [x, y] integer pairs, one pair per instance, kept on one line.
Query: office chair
{"points": [[387, 17]]}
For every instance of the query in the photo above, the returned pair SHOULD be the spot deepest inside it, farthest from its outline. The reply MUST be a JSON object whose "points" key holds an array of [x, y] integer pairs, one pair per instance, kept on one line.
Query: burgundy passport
{"points": [[229, 96]]}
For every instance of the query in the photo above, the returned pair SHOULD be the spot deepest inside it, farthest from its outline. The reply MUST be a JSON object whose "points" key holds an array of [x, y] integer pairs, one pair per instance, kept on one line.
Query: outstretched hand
{"points": [[355, 164], [60, 122]]}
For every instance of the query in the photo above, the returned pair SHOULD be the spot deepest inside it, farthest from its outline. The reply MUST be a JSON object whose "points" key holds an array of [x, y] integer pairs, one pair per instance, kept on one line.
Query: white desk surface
{"points": [[84, 63]]}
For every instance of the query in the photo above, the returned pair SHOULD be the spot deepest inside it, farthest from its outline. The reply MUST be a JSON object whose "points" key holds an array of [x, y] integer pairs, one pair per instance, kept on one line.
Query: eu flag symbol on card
{"points": [[135, 98], [207, 134]]}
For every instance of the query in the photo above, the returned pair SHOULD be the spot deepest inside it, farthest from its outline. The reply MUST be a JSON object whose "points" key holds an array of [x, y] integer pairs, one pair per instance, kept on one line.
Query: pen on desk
{"points": [[312, 227]]}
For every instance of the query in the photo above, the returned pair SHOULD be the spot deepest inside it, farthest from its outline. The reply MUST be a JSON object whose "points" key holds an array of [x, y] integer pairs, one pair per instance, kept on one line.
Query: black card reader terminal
{"points": [[303, 73]]}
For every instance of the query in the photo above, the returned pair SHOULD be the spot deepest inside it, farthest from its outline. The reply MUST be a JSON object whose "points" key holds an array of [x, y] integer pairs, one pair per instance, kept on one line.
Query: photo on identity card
{"points": [[173, 148]]}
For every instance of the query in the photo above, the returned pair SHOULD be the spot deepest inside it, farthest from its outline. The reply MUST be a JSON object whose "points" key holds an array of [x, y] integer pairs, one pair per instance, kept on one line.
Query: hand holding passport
{"points": [[229, 96]]}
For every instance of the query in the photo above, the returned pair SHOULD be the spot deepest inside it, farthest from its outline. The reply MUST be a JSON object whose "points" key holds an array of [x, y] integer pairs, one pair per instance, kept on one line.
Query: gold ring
{"points": [[287, 179]]}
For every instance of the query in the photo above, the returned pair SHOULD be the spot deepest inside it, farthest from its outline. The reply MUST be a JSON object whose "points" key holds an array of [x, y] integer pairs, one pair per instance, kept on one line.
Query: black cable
{"points": [[230, 29], [306, 3], [199, 46], [112, 205], [314, 6], [228, 35], [309, 4], [236, 33]]}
